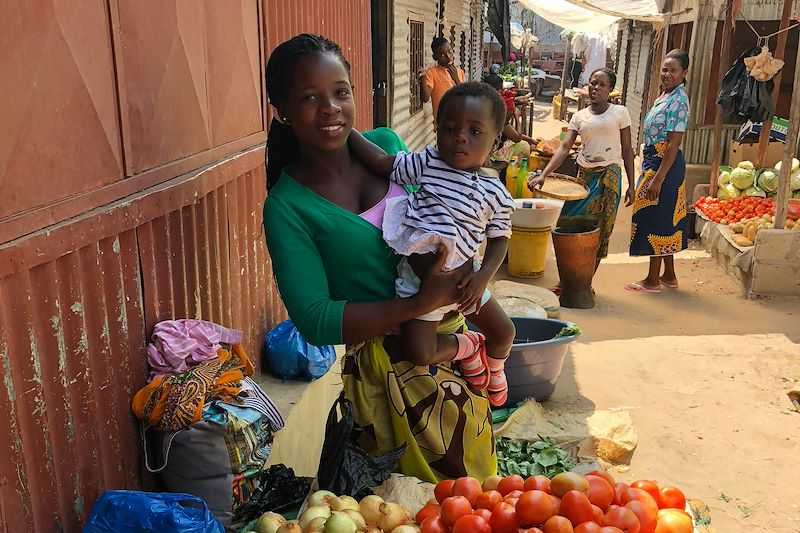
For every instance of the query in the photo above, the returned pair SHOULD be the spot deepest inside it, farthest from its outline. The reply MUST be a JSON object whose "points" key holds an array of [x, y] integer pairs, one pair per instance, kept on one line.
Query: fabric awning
{"points": [[593, 16]]}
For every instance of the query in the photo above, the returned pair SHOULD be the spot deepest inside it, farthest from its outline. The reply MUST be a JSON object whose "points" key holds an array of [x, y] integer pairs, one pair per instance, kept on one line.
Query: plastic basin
{"points": [[543, 213], [536, 358]]}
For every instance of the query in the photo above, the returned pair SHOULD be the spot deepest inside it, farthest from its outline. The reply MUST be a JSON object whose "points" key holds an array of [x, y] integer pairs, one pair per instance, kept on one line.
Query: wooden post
{"points": [[763, 140], [724, 65], [562, 111], [789, 152]]}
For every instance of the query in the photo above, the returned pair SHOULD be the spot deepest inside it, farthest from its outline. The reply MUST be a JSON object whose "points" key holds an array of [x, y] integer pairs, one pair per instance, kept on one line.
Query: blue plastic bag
{"points": [[291, 357], [120, 511]]}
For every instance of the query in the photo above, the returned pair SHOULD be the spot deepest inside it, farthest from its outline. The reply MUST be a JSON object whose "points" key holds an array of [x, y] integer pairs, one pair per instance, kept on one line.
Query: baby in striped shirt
{"points": [[455, 206]]}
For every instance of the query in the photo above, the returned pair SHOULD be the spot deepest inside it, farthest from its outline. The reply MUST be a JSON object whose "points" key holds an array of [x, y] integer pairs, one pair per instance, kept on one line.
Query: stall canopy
{"points": [[593, 16]]}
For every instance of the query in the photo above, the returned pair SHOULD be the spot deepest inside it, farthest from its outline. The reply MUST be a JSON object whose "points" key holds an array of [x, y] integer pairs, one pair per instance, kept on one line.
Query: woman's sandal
{"points": [[638, 287]]}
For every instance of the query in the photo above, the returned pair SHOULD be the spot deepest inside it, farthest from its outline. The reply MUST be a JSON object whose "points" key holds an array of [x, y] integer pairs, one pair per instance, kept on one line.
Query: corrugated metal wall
{"points": [[638, 77], [417, 130], [347, 22], [132, 164]]}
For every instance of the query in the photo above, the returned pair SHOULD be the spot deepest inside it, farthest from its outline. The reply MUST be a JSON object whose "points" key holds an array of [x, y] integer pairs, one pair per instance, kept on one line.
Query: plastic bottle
{"points": [[522, 180], [511, 175], [563, 133]]}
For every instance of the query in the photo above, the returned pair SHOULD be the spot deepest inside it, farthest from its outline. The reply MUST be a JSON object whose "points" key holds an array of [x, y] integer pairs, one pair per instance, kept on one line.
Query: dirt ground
{"points": [[704, 373]]}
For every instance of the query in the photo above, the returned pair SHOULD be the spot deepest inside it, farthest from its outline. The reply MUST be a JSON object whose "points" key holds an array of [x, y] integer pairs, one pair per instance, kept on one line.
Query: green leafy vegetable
{"points": [[526, 458], [568, 331]]}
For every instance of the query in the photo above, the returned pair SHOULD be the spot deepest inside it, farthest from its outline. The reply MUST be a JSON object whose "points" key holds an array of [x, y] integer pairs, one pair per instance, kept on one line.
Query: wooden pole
{"points": [[789, 152], [562, 111], [724, 64], [763, 140]]}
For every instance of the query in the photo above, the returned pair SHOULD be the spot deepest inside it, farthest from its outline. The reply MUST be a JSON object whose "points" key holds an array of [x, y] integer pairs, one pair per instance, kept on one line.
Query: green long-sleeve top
{"points": [[324, 256]]}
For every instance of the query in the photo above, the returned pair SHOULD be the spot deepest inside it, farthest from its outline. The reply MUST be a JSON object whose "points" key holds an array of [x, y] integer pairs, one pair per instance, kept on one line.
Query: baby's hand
{"points": [[472, 288]]}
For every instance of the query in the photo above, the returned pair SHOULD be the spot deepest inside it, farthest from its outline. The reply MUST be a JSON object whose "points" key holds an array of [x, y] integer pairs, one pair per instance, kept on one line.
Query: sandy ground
{"points": [[704, 373]]}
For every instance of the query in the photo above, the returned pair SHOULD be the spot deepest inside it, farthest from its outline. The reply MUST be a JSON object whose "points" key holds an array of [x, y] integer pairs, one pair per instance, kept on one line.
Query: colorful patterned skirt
{"points": [[599, 209], [658, 227], [447, 426]]}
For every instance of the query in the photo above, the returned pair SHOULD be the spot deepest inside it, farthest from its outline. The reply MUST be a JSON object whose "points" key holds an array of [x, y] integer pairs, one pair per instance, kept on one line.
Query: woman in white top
{"points": [[605, 131]]}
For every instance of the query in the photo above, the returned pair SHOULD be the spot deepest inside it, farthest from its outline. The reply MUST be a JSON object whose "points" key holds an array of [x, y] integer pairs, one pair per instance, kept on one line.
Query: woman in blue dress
{"points": [[658, 227]]}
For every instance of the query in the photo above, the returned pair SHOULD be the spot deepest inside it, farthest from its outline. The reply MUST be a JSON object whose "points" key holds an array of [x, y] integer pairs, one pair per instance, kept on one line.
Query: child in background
{"points": [[456, 207]]}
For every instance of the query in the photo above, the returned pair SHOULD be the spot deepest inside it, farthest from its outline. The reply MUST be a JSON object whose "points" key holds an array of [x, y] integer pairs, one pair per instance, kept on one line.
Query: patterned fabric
{"points": [[448, 427], [659, 226], [599, 209], [669, 113], [170, 403]]}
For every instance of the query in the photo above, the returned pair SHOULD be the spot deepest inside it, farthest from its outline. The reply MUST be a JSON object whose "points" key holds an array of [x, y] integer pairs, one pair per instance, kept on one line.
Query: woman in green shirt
{"points": [[336, 275]]}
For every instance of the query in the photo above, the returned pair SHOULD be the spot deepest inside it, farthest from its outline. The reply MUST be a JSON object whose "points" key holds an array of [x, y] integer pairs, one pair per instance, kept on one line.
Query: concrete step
{"points": [[305, 408]]}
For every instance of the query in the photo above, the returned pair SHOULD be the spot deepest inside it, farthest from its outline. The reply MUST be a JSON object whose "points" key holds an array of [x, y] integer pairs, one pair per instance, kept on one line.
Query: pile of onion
{"points": [[328, 513]]}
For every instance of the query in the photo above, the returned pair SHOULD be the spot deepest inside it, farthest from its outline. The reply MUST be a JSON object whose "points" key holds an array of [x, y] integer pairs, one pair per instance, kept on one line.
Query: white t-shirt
{"points": [[600, 135]]}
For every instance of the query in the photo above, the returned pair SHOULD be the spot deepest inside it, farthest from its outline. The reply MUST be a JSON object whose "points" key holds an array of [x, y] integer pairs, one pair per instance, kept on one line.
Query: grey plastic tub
{"points": [[536, 358]]}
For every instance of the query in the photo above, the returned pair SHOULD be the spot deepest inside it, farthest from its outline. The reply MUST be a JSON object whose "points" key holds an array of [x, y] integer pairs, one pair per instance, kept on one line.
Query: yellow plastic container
{"points": [[527, 252]]}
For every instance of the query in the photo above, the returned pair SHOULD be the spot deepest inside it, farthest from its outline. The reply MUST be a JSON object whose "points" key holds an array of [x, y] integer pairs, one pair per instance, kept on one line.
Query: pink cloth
{"points": [[374, 215], [180, 344]]}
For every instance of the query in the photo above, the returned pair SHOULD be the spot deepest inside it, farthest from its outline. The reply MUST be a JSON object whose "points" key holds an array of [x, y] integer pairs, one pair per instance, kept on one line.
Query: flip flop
{"points": [[670, 285], [638, 287]]}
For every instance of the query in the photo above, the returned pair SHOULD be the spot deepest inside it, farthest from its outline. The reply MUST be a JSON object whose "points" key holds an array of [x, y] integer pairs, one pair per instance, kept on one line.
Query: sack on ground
{"points": [[143, 512], [218, 459]]}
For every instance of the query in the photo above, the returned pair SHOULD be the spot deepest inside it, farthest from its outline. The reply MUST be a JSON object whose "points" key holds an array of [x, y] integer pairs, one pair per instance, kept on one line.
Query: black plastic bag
{"points": [[344, 468], [744, 98], [278, 490]]}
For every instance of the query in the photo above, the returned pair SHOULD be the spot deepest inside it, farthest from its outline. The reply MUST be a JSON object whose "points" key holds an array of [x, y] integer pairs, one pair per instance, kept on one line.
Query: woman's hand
{"points": [[536, 180], [473, 286], [439, 288], [629, 196], [653, 189]]}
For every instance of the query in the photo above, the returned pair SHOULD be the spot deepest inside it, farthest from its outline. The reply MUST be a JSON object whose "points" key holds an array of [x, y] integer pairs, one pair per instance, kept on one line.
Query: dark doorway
{"points": [[381, 62]]}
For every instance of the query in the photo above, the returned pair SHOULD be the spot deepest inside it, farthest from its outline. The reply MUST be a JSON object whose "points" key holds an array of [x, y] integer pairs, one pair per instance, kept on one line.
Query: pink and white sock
{"points": [[471, 356], [498, 386]]}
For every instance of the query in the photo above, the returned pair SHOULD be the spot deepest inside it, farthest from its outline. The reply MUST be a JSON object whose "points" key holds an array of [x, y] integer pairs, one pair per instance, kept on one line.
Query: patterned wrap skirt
{"points": [[599, 209], [658, 227], [447, 426]]}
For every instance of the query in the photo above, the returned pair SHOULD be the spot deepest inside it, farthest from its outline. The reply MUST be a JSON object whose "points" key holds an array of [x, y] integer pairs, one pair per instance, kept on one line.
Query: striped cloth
{"points": [[456, 207], [254, 397]]}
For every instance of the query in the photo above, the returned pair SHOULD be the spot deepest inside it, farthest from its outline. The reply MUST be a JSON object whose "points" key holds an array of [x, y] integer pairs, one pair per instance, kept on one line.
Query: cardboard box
{"points": [[778, 131], [747, 152]]}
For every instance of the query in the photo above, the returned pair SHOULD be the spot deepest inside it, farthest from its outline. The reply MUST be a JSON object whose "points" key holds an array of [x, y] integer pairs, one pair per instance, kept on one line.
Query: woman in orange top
{"points": [[441, 77]]}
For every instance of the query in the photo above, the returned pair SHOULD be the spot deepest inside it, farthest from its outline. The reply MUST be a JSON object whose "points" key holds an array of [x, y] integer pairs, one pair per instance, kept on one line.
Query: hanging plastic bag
{"points": [[742, 97], [344, 468], [291, 357], [120, 511]]}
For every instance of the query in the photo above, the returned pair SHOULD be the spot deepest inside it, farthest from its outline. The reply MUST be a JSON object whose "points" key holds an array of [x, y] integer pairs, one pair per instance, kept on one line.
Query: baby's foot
{"points": [[498, 388], [474, 369]]}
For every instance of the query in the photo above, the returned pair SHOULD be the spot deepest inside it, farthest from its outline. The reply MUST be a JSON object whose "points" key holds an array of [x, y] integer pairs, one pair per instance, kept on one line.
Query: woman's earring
{"points": [[285, 121]]}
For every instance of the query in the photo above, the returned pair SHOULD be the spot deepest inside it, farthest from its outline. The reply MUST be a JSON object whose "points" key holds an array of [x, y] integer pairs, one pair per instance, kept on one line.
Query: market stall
{"points": [[763, 230]]}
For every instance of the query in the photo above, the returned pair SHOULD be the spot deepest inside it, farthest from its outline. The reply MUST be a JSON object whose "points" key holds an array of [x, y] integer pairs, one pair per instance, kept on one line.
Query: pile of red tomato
{"points": [[568, 503], [736, 210]]}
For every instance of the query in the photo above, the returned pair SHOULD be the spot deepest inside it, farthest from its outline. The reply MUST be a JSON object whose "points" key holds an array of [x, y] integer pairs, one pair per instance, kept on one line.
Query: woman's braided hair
{"points": [[282, 146]]}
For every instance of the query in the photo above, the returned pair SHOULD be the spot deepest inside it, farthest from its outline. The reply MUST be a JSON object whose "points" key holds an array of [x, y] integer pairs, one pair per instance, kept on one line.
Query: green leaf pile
{"points": [[527, 458], [568, 331]]}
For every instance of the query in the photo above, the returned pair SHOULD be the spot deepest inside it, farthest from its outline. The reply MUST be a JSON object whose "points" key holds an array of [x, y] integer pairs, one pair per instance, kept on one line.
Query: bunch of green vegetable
{"points": [[568, 331], [526, 458]]}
